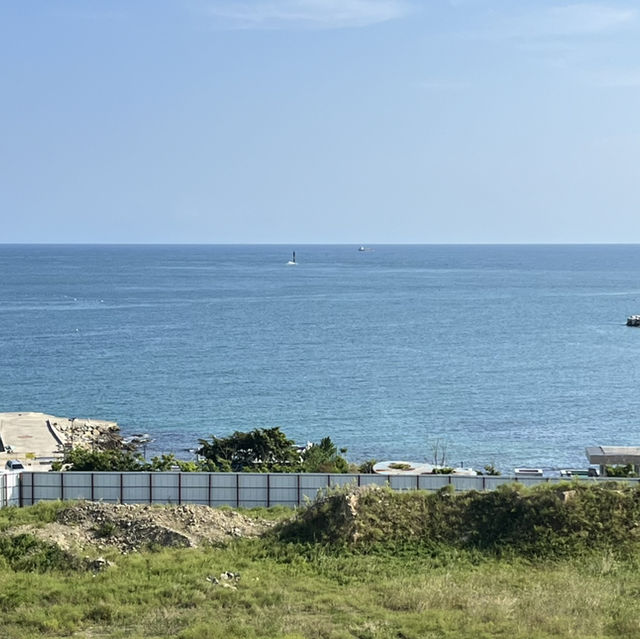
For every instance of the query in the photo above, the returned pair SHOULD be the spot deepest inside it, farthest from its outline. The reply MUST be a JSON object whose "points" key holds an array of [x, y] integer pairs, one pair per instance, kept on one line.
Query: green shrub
{"points": [[27, 553], [555, 520], [366, 467], [621, 471]]}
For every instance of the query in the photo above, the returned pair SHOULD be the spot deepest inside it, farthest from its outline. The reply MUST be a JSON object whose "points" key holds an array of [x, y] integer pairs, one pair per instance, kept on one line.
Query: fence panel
{"points": [[164, 488], [47, 486], [195, 488], [253, 489], [77, 486], [343, 480], [311, 483], [225, 489], [135, 488], [283, 489], [107, 487], [13, 489], [491, 482], [432, 482], [465, 482], [228, 489], [10, 489], [404, 482], [373, 480]]}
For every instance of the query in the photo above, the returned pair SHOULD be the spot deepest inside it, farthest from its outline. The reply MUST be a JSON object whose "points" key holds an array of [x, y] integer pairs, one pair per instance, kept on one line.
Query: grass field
{"points": [[316, 591]]}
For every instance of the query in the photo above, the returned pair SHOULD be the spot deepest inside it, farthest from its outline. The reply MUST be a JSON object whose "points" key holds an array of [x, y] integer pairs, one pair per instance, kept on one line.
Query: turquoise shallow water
{"points": [[516, 355]]}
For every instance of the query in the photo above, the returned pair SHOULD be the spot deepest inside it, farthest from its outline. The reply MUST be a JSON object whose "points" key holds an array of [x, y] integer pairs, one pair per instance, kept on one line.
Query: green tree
{"points": [[260, 450], [84, 459], [169, 462], [81, 459], [324, 458]]}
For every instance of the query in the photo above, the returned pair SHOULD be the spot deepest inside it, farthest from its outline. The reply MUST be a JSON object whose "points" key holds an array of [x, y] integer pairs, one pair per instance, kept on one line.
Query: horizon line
{"points": [[4, 244]]}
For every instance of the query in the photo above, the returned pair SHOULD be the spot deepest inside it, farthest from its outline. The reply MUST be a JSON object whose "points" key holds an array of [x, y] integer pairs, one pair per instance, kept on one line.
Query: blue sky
{"points": [[292, 121]]}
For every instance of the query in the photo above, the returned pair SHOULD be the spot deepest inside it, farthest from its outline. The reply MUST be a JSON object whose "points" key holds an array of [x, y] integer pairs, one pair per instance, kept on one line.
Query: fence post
{"points": [[179, 489], [268, 490], [20, 491], [209, 493], [93, 487], [150, 487], [121, 488], [237, 490], [298, 476], [61, 486], [33, 488]]}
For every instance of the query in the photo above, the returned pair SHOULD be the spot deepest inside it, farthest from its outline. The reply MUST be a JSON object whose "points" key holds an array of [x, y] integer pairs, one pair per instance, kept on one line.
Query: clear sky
{"points": [[321, 121]]}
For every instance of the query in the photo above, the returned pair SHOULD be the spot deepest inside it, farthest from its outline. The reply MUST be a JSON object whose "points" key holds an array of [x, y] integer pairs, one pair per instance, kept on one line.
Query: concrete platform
{"points": [[28, 437]]}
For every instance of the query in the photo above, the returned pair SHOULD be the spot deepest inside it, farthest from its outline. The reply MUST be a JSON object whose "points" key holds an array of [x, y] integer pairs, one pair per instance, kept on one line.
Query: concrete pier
{"points": [[37, 439]]}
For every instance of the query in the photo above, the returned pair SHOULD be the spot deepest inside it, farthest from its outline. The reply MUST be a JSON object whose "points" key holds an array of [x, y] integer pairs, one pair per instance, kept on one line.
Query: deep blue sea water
{"points": [[516, 355]]}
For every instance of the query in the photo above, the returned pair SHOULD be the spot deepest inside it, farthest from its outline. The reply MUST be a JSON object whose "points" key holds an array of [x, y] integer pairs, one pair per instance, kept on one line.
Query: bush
{"points": [[550, 521], [26, 552], [621, 471], [80, 459], [400, 466], [366, 467]]}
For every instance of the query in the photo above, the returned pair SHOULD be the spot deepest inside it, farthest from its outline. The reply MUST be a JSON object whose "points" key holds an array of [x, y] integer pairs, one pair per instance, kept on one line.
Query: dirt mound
{"points": [[336, 518], [133, 527]]}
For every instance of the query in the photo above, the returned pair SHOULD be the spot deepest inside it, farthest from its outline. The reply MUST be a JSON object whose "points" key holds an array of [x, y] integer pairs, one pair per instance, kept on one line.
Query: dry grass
{"points": [[167, 595]]}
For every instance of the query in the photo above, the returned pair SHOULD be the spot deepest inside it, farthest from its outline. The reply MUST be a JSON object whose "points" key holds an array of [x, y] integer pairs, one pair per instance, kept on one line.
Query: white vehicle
{"points": [[14, 464]]}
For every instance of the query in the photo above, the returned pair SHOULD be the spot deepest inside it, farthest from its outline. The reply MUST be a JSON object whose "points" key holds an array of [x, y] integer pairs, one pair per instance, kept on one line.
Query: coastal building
{"points": [[614, 456]]}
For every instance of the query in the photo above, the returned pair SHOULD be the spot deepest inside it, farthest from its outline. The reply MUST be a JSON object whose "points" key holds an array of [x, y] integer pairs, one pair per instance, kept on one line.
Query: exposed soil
{"points": [[129, 528]]}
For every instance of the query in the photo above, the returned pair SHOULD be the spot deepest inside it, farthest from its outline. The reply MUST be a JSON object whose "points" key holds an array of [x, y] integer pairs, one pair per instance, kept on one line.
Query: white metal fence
{"points": [[10, 489], [222, 489]]}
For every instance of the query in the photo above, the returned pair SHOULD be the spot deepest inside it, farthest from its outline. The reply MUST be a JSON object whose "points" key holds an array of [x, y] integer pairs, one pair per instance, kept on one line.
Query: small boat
{"points": [[362, 249], [292, 261]]}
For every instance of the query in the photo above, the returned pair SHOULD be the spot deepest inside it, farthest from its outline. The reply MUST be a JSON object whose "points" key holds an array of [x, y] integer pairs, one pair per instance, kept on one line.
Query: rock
{"points": [[229, 575], [99, 564]]}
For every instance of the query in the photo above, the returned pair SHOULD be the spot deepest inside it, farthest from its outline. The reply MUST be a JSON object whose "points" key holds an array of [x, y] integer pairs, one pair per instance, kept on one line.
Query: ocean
{"points": [[510, 355]]}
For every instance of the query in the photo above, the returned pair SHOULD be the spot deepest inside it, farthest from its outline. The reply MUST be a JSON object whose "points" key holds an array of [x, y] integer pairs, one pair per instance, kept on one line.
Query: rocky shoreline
{"points": [[97, 434]]}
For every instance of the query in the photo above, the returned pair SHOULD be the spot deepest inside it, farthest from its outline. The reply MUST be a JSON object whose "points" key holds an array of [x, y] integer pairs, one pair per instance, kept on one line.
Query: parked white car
{"points": [[14, 464]]}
